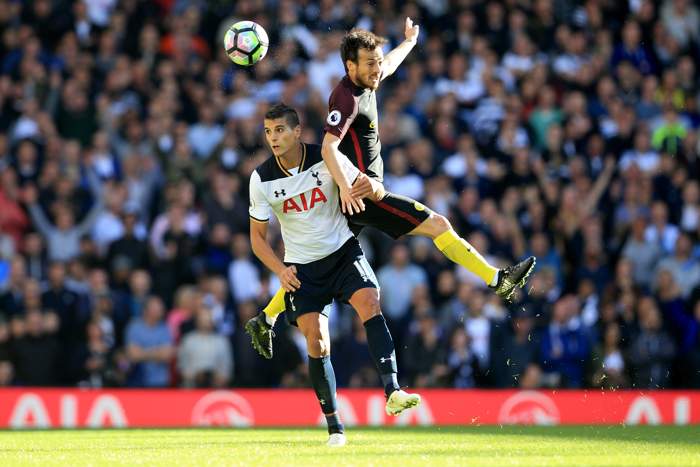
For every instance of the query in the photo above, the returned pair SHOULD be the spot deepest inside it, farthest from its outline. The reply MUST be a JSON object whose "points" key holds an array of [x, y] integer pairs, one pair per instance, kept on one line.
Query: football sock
{"points": [[381, 347], [275, 307], [323, 381], [461, 252]]}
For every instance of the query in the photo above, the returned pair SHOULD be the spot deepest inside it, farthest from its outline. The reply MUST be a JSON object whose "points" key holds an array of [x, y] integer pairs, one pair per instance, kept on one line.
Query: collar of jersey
{"points": [[301, 164]]}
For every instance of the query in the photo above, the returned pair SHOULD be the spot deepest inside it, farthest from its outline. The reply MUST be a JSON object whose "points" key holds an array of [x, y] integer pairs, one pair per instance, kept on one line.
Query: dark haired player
{"points": [[323, 259], [352, 132]]}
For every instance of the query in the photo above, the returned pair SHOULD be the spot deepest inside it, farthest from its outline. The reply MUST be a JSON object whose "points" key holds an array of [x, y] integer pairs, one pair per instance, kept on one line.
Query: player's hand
{"points": [[411, 31], [362, 188], [350, 204], [288, 279]]}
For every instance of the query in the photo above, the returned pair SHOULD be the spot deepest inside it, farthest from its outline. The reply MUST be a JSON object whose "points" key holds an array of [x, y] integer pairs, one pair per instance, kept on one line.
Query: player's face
{"points": [[280, 136], [368, 69]]}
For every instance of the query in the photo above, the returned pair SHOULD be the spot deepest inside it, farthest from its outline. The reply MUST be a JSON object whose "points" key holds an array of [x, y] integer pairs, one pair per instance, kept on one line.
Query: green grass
{"points": [[537, 446]]}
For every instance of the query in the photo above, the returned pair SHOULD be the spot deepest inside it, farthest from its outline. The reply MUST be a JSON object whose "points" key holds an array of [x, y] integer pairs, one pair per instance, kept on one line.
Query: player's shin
{"points": [[381, 347], [323, 381], [459, 251], [275, 307]]}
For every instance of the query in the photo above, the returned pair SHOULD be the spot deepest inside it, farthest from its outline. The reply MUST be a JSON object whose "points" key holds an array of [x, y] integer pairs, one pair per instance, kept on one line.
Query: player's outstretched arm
{"points": [[331, 156], [263, 250], [393, 59]]}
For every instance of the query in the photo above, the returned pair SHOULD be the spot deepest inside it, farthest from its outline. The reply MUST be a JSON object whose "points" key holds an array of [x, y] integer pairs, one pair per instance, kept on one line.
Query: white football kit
{"points": [[306, 204]]}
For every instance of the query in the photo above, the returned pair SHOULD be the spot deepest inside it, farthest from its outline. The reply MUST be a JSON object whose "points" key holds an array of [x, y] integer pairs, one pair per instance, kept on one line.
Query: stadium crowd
{"points": [[564, 129]]}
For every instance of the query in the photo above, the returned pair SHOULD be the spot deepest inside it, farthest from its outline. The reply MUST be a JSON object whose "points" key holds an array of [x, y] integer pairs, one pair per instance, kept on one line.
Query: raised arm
{"points": [[96, 190], [393, 59], [42, 223]]}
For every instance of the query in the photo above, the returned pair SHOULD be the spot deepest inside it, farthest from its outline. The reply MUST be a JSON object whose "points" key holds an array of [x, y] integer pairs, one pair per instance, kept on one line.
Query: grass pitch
{"points": [[537, 446]]}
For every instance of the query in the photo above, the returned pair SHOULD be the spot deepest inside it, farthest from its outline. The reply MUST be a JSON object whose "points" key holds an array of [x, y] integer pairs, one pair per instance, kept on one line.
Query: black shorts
{"points": [[395, 215], [338, 275]]}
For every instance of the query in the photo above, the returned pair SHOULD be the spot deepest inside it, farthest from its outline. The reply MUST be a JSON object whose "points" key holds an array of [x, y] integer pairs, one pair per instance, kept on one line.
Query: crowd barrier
{"points": [[87, 408]]}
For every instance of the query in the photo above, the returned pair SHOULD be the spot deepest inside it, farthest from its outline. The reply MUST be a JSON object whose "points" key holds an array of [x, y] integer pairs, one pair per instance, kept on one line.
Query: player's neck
{"points": [[355, 82], [291, 158]]}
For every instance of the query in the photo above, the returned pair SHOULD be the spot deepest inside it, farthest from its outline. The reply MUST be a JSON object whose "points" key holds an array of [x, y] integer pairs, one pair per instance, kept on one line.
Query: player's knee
{"points": [[318, 347], [368, 306], [437, 224], [316, 344]]}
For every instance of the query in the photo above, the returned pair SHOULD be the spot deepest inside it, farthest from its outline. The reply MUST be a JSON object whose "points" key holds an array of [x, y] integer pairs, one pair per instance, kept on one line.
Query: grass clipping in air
{"points": [[587, 445]]}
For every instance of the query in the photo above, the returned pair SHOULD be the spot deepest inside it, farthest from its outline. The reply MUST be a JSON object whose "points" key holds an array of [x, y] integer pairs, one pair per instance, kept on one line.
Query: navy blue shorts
{"points": [[337, 276]]}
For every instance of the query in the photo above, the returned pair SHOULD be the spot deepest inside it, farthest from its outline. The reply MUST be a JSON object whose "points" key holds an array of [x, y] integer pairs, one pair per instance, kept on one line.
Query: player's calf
{"points": [[314, 327]]}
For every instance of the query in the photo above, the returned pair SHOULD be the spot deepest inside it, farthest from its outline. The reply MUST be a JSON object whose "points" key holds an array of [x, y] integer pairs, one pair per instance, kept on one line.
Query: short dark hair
{"points": [[282, 110], [358, 39]]}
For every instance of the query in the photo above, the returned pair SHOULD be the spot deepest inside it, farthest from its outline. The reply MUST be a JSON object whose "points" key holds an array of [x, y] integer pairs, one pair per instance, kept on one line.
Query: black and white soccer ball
{"points": [[246, 43]]}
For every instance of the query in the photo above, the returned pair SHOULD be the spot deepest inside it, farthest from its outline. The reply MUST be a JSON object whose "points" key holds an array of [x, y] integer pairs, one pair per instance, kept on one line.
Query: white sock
{"points": [[270, 320], [494, 281]]}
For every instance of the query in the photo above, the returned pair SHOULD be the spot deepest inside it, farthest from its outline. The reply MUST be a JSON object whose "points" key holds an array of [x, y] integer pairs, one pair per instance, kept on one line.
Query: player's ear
{"points": [[350, 65], [297, 131]]}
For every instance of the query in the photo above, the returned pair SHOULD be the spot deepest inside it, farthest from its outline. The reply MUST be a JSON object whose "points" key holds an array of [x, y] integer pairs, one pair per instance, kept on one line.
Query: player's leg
{"points": [[260, 327], [314, 327], [460, 251], [405, 216], [381, 347]]}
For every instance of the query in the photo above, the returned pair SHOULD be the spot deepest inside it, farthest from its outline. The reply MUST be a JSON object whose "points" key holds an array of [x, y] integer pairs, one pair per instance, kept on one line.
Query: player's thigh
{"points": [[397, 215], [366, 303], [356, 283]]}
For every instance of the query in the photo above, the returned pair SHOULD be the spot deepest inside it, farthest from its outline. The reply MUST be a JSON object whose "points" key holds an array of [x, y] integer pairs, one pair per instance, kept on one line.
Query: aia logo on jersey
{"points": [[301, 203]]}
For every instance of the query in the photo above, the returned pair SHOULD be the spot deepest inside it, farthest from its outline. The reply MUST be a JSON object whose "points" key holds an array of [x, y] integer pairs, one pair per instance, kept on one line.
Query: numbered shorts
{"points": [[395, 215], [338, 275]]}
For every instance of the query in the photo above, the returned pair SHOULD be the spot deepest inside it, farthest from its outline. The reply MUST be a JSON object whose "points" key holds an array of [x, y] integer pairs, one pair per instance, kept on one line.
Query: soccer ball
{"points": [[246, 43]]}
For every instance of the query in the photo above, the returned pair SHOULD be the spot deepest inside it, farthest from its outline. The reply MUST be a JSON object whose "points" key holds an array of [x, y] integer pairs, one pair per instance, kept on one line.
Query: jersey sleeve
{"points": [[259, 208], [342, 110]]}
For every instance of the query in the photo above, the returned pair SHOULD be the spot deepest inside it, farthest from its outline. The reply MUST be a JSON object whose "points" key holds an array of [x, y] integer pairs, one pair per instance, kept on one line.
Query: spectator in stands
{"points": [[243, 274], [565, 346], [513, 348], [204, 357], [149, 347], [397, 280], [37, 353], [652, 350], [684, 267], [643, 255], [459, 360], [63, 238], [11, 300], [611, 373]]}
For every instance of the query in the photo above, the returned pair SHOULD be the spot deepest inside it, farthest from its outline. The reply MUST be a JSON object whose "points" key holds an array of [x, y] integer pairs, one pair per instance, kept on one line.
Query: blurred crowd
{"points": [[564, 129]]}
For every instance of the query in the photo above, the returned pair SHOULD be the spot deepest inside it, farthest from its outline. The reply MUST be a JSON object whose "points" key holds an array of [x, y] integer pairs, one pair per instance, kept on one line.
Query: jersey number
{"points": [[301, 204]]}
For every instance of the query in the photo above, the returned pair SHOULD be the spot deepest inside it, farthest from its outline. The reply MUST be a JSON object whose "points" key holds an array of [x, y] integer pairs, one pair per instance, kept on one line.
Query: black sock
{"points": [[323, 381], [381, 347]]}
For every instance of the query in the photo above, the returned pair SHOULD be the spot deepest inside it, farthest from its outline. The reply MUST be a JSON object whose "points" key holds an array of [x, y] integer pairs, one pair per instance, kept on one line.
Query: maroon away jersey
{"points": [[353, 117]]}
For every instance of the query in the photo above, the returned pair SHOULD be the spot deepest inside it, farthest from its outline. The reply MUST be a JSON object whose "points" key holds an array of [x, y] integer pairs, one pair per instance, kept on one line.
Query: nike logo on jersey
{"points": [[301, 203]]}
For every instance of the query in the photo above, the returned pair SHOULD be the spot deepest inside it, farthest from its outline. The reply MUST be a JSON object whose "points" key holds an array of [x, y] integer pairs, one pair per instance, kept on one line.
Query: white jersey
{"points": [[306, 204]]}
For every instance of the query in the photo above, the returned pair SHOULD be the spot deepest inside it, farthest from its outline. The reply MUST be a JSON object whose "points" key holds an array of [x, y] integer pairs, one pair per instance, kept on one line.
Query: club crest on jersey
{"points": [[301, 203], [333, 118], [318, 180]]}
